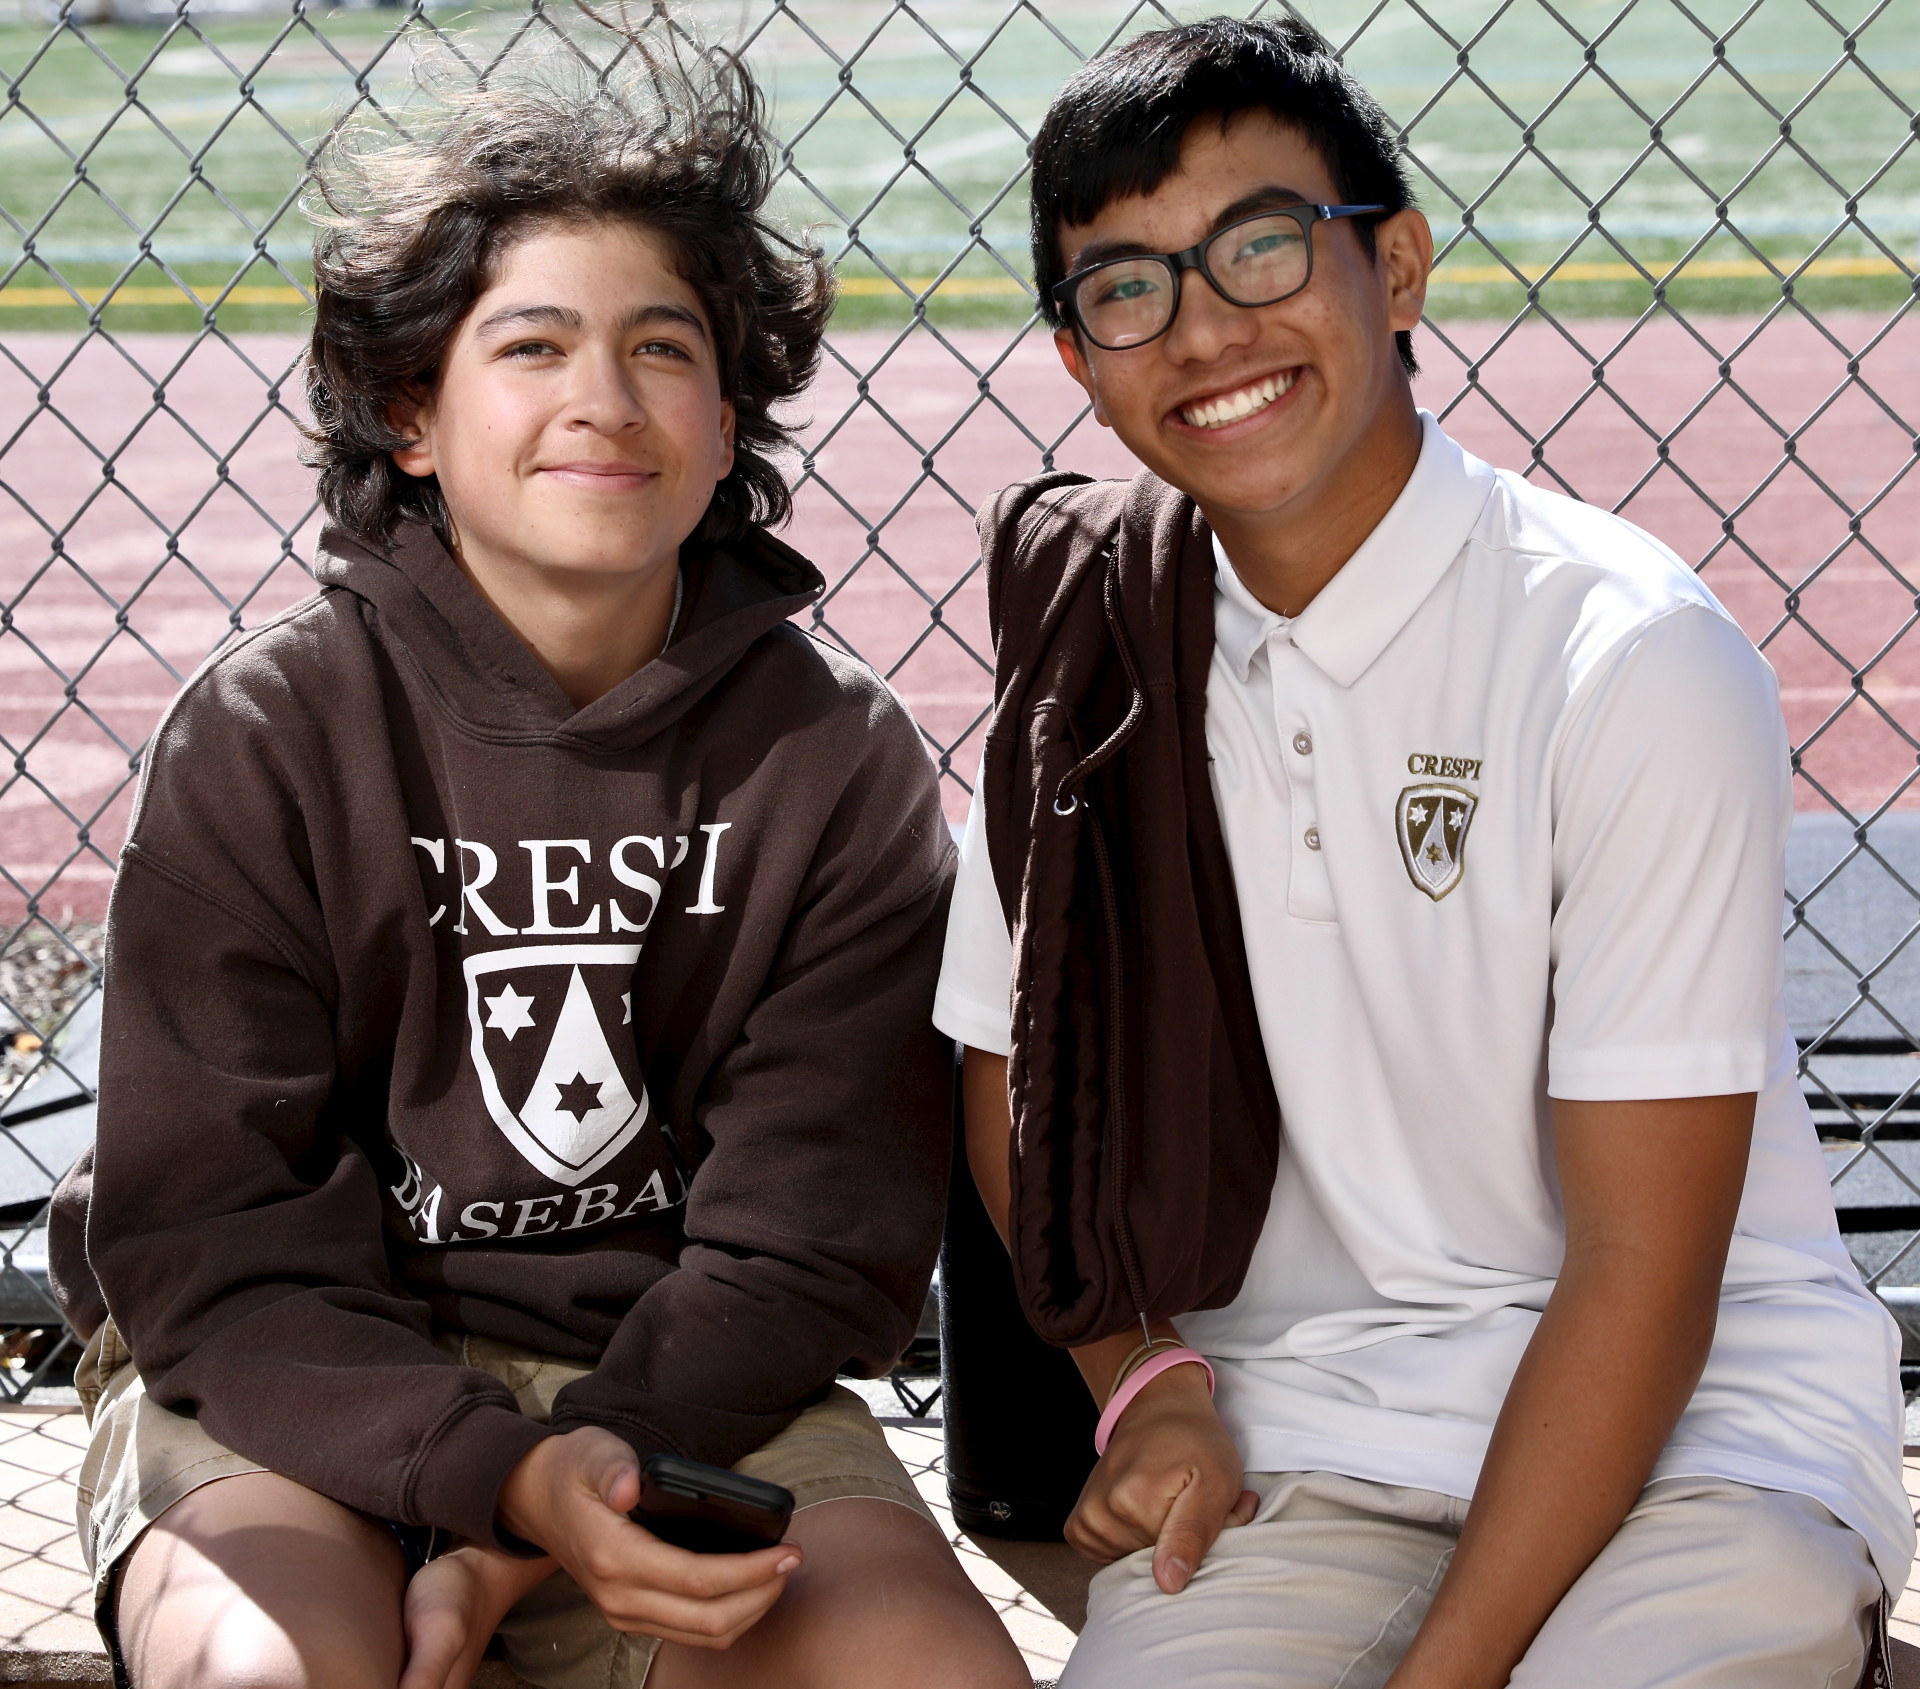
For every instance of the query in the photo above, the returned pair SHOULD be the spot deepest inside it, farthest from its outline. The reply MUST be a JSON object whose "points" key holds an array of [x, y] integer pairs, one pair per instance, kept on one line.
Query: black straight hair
{"points": [[1116, 128]]}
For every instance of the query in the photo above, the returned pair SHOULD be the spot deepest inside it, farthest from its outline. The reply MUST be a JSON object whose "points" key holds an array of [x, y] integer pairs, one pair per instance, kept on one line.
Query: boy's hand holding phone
{"points": [[572, 1494], [710, 1509]]}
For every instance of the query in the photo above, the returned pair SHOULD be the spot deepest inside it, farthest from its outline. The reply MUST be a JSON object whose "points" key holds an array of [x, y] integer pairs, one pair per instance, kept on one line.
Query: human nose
{"points": [[1204, 323], [605, 393]]}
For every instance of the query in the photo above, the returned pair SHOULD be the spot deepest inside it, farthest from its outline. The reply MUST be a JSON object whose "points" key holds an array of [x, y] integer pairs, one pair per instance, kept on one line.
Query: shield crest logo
{"points": [[552, 1045], [1432, 823]]}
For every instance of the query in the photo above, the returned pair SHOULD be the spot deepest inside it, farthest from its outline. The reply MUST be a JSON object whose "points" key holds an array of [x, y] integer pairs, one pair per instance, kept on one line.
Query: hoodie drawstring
{"points": [[1064, 799]]}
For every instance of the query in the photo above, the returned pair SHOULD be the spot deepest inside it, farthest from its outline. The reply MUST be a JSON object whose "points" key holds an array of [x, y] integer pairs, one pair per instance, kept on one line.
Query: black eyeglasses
{"points": [[1260, 260]]}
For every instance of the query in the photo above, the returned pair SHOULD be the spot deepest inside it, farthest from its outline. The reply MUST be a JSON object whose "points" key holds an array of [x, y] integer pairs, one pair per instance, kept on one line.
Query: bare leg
{"points": [[880, 1600], [254, 1582]]}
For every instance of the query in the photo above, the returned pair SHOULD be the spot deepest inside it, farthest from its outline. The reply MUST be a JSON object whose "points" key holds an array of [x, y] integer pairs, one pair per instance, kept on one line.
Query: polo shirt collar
{"points": [[1357, 614], [1242, 625]]}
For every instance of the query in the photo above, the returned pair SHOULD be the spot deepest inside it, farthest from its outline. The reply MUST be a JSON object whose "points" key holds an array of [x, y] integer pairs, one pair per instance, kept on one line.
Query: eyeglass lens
{"points": [[1252, 263]]}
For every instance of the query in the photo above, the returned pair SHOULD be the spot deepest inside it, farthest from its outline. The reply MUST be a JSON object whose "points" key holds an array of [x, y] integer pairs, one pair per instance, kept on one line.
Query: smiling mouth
{"points": [[1240, 404], [611, 472]]}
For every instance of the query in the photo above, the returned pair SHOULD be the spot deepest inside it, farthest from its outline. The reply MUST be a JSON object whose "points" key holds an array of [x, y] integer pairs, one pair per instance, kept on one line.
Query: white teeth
{"points": [[1231, 407]]}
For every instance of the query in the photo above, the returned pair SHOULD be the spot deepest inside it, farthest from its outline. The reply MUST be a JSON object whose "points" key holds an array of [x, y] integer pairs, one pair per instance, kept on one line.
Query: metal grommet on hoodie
{"points": [[1065, 804]]}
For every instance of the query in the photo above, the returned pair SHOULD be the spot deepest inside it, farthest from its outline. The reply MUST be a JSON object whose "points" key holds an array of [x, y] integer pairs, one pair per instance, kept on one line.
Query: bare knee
{"points": [[256, 1583], [240, 1647], [880, 1600], [935, 1636]]}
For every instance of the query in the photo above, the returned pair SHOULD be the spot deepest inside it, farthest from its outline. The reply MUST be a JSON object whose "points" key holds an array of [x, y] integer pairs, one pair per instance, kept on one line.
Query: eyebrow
{"points": [[1259, 199], [530, 316], [646, 316], [564, 316]]}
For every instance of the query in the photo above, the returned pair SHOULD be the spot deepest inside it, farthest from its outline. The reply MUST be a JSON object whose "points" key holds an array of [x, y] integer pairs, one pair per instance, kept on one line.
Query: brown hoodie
{"points": [[433, 1003]]}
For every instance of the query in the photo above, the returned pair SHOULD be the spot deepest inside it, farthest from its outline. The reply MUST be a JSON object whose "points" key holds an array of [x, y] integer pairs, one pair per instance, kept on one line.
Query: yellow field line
{"points": [[866, 287], [41, 297], [1457, 275], [1700, 269], [869, 287], [44, 296]]}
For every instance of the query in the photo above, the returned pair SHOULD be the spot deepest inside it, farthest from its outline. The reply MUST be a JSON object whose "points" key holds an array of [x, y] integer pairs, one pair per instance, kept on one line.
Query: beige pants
{"points": [[143, 1458], [1707, 1585]]}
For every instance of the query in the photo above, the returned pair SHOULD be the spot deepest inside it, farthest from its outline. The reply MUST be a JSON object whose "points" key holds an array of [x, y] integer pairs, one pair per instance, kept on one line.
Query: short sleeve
{"points": [[1672, 795], [976, 972]]}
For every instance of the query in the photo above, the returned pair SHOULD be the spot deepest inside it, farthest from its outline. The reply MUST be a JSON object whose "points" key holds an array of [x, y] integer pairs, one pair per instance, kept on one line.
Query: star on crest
{"points": [[508, 1013], [579, 1096]]}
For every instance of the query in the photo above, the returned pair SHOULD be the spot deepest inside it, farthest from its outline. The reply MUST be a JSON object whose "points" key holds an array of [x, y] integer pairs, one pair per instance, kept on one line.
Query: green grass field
{"points": [[195, 142]]}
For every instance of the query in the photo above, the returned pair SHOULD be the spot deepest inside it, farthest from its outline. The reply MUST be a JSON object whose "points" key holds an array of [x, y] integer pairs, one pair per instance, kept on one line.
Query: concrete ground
{"points": [[47, 1634]]}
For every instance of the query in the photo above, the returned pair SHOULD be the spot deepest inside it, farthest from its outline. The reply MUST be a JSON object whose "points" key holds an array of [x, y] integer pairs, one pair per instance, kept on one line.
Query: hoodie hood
{"points": [[492, 684]]}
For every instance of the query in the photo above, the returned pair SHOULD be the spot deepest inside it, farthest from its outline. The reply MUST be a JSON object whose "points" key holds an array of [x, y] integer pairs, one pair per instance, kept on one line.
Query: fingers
{"points": [[431, 1658], [640, 1583], [436, 1625], [698, 1624], [1098, 1529], [611, 1470], [1104, 1527], [1126, 1503], [643, 1558], [1192, 1522], [701, 1600], [580, 1497], [1097, 1533]]}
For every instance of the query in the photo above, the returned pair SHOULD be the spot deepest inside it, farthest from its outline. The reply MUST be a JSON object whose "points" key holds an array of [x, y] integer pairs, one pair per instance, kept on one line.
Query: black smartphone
{"points": [[709, 1509]]}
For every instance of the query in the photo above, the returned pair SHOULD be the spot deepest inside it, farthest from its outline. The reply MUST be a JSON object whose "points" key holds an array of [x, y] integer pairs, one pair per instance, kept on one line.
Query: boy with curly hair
{"points": [[517, 1059]]}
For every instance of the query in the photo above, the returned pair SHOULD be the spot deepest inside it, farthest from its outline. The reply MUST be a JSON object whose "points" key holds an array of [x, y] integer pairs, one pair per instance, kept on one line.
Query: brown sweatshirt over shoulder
{"points": [[435, 1004], [1146, 1127]]}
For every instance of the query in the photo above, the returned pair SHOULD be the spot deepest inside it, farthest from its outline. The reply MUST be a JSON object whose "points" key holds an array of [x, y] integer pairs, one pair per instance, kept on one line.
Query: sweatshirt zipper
{"points": [[1066, 801]]}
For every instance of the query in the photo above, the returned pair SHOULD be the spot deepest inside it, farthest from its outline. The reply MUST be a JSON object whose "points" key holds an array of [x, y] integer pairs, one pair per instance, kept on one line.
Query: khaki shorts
{"points": [[143, 1458], [1708, 1584]]}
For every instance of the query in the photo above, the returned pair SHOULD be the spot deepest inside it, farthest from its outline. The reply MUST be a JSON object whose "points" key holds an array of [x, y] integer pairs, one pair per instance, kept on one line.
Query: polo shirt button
{"points": [[1303, 744], [1313, 838]]}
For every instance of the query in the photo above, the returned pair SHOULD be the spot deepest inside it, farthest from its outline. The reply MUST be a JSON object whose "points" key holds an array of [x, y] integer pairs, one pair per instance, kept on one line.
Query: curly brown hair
{"points": [[411, 225]]}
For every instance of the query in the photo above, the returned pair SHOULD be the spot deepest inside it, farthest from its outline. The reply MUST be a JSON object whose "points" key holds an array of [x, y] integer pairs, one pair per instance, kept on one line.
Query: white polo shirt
{"points": [[1506, 808]]}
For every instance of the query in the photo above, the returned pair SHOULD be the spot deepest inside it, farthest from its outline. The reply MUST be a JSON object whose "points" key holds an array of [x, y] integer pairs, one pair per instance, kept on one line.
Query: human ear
{"points": [[1067, 343], [726, 439], [411, 418], [1403, 258]]}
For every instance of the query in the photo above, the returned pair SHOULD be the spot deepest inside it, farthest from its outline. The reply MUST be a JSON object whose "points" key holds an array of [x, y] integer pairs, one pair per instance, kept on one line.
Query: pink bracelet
{"points": [[1137, 1381]]}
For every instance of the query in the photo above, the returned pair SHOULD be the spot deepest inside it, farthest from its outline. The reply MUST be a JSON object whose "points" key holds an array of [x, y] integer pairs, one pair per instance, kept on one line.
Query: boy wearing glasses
{"points": [[1393, 1105]]}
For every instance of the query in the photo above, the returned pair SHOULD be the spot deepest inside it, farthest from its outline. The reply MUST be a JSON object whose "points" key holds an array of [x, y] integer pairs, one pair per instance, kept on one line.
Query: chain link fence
{"points": [[1677, 269]]}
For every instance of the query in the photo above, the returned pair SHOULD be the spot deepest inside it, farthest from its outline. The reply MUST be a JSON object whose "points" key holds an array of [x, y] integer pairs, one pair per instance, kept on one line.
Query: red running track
{"points": [[74, 657]]}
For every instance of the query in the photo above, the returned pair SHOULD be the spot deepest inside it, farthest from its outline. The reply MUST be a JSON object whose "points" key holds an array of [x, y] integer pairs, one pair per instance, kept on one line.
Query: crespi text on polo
{"points": [[1444, 768]]}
